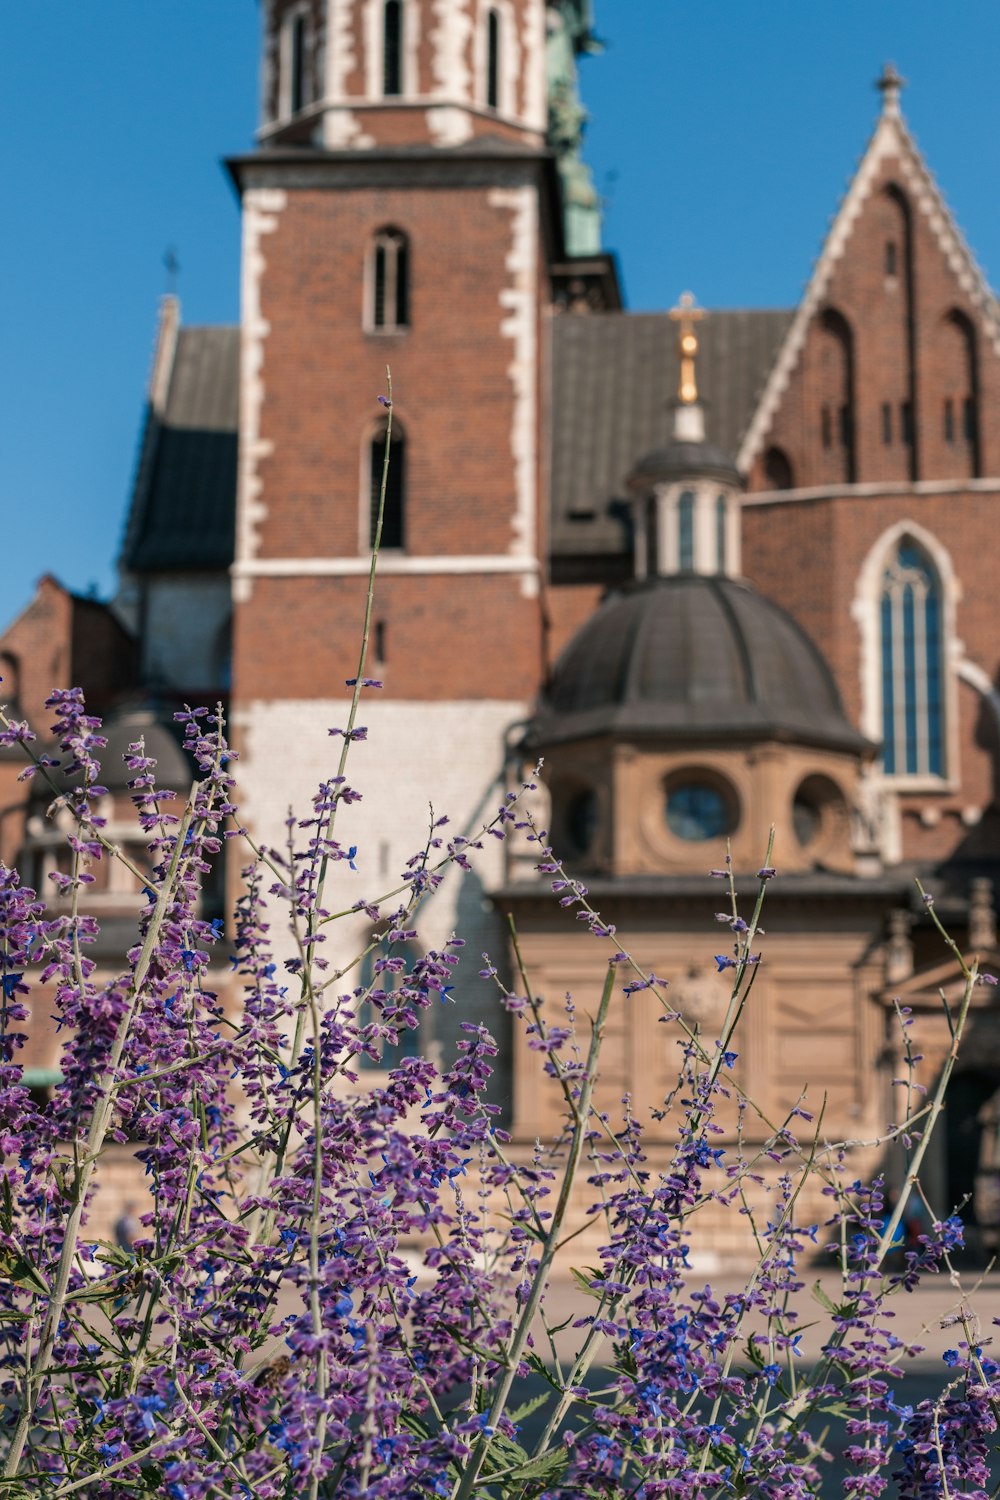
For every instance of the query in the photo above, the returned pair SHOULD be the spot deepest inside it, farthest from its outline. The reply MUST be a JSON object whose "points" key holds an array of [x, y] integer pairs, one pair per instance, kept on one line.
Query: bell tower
{"points": [[401, 210], [391, 73]]}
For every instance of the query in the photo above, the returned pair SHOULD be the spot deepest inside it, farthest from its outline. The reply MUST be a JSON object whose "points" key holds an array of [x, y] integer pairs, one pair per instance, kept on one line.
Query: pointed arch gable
{"points": [[890, 139], [867, 611]]}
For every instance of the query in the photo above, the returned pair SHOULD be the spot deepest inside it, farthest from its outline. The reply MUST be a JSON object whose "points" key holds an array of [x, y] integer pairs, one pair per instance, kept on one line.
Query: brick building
{"points": [[719, 585]]}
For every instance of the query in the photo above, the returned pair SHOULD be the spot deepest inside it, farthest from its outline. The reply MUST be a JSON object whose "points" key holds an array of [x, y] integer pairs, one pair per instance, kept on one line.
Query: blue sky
{"points": [[723, 133]]}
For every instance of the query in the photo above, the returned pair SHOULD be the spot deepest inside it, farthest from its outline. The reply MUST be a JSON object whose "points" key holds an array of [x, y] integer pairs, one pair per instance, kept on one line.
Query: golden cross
{"points": [[686, 315]]}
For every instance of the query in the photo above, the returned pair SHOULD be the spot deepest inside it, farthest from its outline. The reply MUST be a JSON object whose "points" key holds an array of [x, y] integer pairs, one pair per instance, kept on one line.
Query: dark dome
{"points": [[684, 461], [696, 659], [173, 768]]}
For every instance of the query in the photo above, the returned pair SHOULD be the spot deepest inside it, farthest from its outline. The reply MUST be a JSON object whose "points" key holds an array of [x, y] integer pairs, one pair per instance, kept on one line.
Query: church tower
{"points": [[402, 210]]}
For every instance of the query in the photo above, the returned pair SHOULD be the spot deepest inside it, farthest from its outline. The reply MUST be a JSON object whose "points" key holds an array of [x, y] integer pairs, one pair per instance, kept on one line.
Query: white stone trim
{"points": [[389, 562], [519, 300], [903, 487], [451, 76], [532, 71], [340, 56], [261, 210], [890, 139], [973, 674], [866, 612]]}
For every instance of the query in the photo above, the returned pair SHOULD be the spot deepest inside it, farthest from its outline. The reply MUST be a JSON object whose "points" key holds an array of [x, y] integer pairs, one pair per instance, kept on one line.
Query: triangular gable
{"points": [[890, 139]]}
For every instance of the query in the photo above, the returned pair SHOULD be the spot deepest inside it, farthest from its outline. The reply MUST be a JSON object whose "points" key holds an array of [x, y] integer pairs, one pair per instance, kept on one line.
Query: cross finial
{"points": [[172, 266], [685, 315], [890, 85]]}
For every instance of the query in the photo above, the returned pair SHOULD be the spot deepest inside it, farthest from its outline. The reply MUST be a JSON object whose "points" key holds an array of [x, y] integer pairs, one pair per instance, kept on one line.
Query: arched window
{"points": [[389, 280], [393, 516], [493, 59], [836, 360], [392, 48], [777, 466], [961, 374], [685, 531], [384, 973], [912, 674], [721, 517], [294, 57]]}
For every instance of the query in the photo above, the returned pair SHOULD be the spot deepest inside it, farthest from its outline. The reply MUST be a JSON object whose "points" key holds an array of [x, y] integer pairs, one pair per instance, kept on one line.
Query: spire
{"points": [[689, 419], [890, 85]]}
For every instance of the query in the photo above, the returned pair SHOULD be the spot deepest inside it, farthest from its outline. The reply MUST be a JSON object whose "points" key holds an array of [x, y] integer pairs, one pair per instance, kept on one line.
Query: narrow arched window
{"points": [[721, 515], [294, 91], [960, 368], [912, 673], [836, 374], [392, 48], [393, 535], [297, 80], [389, 280], [685, 531], [493, 59], [777, 465]]}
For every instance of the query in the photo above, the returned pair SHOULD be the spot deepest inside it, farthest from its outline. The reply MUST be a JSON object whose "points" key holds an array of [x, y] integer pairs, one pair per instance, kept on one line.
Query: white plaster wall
{"points": [[445, 755], [184, 617]]}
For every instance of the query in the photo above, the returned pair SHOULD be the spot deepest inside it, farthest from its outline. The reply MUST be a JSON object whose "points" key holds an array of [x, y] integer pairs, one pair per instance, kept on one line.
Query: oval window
{"points": [[698, 810]]}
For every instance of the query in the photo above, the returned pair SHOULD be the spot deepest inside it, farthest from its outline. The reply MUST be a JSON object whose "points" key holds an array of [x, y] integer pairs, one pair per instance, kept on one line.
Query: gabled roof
{"points": [[614, 379], [183, 509], [889, 139]]}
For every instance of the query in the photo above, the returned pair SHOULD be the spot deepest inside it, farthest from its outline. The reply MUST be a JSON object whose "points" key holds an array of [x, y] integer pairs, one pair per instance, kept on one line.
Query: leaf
{"points": [[821, 1297], [528, 1407], [21, 1272], [546, 1466], [536, 1363], [583, 1281]]}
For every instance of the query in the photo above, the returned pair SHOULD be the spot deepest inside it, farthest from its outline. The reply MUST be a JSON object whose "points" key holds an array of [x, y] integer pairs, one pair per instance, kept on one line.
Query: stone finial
{"points": [[898, 948], [982, 917], [890, 85]]}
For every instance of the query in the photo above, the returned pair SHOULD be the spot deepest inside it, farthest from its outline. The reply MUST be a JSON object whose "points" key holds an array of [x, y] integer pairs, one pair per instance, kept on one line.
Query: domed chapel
{"points": [[715, 569]]}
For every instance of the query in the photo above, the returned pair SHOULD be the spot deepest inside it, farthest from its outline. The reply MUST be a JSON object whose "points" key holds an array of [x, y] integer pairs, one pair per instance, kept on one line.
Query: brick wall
{"points": [[463, 372], [916, 337]]}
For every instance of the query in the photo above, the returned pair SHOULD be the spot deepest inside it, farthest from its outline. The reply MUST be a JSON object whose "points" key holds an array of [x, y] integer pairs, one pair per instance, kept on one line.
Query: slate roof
{"points": [[696, 658], [184, 504], [614, 380]]}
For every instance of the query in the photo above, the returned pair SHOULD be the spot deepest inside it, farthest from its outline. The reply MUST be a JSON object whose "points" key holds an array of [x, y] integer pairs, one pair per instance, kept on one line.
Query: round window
{"points": [[698, 810], [581, 820]]}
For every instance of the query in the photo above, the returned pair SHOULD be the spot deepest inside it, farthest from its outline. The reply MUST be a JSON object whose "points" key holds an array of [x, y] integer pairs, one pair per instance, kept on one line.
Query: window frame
{"points": [[866, 610], [294, 94], [389, 258]]}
